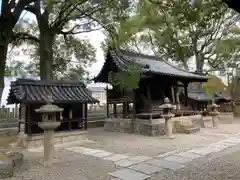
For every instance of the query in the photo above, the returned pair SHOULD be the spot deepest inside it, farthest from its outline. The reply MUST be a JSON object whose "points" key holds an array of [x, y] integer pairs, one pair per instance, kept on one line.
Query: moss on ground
{"points": [[6, 140], [3, 157]]}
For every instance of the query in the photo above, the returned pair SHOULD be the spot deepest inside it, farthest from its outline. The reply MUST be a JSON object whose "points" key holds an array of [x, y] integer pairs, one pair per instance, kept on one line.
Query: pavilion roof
{"points": [[147, 63], [37, 91], [198, 95]]}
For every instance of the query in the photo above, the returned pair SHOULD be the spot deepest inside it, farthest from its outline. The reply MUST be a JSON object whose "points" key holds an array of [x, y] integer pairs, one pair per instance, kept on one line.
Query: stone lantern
{"points": [[48, 124], [214, 113], [167, 115]]}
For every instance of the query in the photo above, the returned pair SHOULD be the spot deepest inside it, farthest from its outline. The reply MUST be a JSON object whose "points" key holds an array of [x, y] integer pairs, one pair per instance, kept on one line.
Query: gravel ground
{"points": [[67, 166], [220, 166], [151, 146]]}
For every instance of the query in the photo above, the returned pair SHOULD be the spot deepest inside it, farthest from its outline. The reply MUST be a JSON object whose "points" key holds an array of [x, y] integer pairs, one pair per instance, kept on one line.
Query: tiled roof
{"points": [[198, 95], [37, 91], [97, 89], [148, 63], [222, 96]]}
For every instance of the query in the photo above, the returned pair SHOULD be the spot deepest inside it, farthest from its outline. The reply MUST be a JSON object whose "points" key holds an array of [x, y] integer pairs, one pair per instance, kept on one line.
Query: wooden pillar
{"points": [[108, 115], [134, 104], [108, 110], [70, 120], [85, 116], [115, 110], [16, 111], [124, 109], [29, 120], [127, 108], [19, 117], [177, 93], [185, 95], [173, 95]]}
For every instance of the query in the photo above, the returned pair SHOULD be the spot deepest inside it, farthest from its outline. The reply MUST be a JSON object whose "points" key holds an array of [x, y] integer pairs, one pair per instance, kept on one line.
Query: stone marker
{"points": [[49, 124]]}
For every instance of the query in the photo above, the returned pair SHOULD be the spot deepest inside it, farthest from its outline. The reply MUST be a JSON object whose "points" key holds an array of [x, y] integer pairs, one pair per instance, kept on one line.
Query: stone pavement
{"points": [[143, 167], [223, 165], [125, 156]]}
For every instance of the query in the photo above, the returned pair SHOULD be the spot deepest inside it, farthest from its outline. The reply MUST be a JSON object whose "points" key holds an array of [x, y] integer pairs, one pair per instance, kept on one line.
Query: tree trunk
{"points": [[199, 66], [3, 57], [199, 63], [46, 55]]}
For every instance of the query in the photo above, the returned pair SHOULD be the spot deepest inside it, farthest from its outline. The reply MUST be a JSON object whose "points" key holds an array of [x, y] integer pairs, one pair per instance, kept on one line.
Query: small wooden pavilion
{"points": [[224, 100], [73, 97], [198, 99], [159, 79]]}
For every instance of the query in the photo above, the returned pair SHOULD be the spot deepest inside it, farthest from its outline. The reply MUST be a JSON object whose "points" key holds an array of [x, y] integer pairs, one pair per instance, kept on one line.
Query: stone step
{"points": [[191, 130], [187, 126], [10, 125]]}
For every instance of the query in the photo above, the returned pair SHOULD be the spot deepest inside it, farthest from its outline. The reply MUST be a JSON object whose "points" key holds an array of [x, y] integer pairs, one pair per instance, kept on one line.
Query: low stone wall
{"points": [[226, 116], [94, 124], [59, 138], [137, 126], [143, 127]]}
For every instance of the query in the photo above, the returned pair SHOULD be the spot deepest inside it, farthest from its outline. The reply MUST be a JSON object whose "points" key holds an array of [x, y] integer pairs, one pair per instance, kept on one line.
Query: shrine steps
{"points": [[192, 130], [189, 128]]}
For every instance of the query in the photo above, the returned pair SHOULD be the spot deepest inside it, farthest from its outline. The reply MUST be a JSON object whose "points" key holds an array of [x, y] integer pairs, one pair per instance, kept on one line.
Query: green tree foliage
{"points": [[70, 60], [229, 47], [179, 32], [68, 18], [127, 80], [214, 85], [16, 69]]}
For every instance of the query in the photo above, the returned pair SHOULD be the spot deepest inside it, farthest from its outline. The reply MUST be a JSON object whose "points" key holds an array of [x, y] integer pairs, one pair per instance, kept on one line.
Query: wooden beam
{"points": [[85, 116], [29, 120], [115, 110], [173, 95], [186, 95]]}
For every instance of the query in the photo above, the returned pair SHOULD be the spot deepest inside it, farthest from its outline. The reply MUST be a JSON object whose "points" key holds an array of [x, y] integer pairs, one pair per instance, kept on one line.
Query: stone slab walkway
{"points": [[141, 157], [143, 167]]}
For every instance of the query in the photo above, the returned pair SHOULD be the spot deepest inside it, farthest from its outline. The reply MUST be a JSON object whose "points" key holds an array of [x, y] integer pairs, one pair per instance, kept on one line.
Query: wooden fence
{"points": [[94, 112], [9, 112]]}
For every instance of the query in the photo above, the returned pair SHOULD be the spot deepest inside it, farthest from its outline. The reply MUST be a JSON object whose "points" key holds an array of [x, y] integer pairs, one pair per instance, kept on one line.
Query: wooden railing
{"points": [[119, 96]]}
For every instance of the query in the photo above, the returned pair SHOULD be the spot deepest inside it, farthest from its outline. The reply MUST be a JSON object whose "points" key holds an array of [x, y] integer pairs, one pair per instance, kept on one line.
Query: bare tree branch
{"points": [[72, 31]]}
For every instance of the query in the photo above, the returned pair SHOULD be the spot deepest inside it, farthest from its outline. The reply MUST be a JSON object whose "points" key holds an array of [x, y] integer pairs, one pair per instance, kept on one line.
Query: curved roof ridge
{"points": [[21, 81], [156, 58]]}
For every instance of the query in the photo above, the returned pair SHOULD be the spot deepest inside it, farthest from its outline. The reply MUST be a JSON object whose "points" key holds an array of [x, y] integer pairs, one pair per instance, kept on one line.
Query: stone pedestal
{"points": [[168, 127], [48, 143], [214, 113], [167, 115]]}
